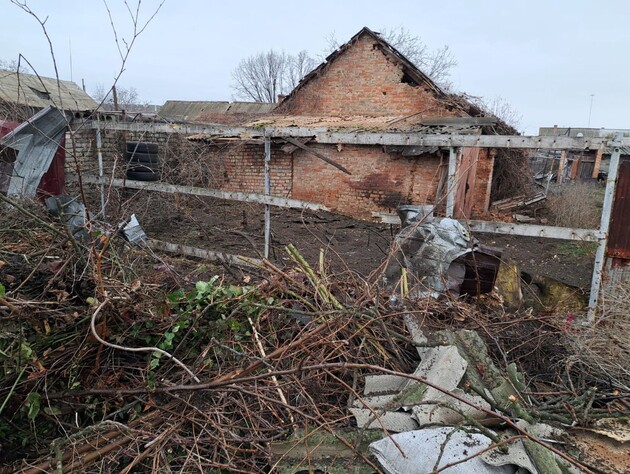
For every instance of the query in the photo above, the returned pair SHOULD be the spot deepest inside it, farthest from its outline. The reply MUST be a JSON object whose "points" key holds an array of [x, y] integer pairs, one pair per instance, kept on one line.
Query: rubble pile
{"points": [[117, 359]]}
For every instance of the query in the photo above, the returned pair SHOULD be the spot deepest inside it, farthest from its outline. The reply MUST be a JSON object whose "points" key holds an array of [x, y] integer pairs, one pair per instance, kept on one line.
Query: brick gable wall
{"points": [[364, 81]]}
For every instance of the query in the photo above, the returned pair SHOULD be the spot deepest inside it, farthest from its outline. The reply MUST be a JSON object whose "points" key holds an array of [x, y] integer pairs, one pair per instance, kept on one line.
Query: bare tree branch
{"points": [[11, 65], [128, 98], [263, 76], [42, 23], [501, 109]]}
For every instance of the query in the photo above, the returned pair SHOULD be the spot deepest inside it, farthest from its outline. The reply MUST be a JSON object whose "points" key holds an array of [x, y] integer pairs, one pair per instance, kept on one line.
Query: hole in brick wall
{"points": [[384, 92], [407, 79]]}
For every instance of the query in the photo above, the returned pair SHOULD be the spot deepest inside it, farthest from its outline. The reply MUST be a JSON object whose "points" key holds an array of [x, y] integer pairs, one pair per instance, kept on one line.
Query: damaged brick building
{"points": [[368, 85]]}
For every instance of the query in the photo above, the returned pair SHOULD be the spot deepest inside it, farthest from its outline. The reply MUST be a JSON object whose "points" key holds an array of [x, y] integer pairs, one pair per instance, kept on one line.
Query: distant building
{"points": [[580, 165]]}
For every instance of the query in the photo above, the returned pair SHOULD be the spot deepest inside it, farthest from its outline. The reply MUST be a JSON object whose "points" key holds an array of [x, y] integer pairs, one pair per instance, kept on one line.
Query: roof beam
{"points": [[326, 135], [319, 155], [467, 121]]}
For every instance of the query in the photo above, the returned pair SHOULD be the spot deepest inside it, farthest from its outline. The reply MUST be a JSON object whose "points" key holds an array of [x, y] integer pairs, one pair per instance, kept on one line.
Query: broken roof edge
{"points": [[196, 110], [37, 92], [51, 111], [410, 68], [460, 101]]}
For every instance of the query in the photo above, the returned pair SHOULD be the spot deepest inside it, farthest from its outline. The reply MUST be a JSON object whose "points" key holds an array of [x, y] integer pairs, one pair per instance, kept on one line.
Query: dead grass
{"points": [[576, 205], [602, 351]]}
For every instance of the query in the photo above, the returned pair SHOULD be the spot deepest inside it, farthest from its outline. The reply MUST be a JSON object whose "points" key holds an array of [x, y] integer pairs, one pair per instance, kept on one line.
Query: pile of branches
{"points": [[112, 361], [103, 370]]}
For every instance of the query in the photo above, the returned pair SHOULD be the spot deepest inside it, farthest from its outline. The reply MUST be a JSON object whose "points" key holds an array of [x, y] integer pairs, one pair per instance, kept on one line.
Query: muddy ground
{"points": [[238, 228]]}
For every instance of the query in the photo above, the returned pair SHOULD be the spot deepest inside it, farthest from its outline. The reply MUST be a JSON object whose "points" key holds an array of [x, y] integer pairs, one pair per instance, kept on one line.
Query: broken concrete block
{"points": [[523, 218], [389, 401], [423, 451], [377, 384], [417, 336], [394, 421], [442, 366], [448, 410]]}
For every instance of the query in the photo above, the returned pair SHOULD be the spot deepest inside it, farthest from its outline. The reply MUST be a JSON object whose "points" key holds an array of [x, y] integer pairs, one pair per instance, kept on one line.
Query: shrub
{"points": [[577, 204], [602, 351]]}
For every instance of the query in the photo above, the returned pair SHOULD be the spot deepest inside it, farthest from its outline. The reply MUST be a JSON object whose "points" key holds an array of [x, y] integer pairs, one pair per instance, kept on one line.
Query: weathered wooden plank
{"points": [[267, 193], [480, 141], [451, 185], [229, 195], [561, 166], [181, 128], [530, 230], [203, 253], [319, 155], [325, 135], [598, 163], [600, 254], [468, 121], [508, 228]]}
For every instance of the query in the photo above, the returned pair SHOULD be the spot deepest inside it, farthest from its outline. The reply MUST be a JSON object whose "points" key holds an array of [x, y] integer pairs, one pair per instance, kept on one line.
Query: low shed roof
{"points": [[40, 92], [212, 111]]}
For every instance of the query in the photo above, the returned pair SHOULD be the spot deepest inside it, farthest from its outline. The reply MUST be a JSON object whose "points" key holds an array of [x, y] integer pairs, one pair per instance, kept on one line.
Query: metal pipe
{"points": [[99, 153], [600, 255], [267, 193], [450, 186]]}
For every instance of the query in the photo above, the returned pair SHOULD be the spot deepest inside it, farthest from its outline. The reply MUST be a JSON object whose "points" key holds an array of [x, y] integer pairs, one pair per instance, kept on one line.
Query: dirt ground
{"points": [[566, 261], [238, 228]]}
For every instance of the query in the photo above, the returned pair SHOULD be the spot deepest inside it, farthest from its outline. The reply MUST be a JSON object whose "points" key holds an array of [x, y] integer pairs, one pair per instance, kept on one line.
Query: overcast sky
{"points": [[545, 58]]}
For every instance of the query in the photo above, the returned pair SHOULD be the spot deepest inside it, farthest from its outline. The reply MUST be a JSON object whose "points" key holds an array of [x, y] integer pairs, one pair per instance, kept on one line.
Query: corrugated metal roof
{"points": [[197, 110], [40, 92], [36, 142]]}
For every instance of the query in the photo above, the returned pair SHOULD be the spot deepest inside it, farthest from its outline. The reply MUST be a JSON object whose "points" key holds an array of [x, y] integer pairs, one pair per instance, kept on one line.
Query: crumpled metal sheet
{"points": [[71, 212], [134, 232], [427, 251], [36, 142]]}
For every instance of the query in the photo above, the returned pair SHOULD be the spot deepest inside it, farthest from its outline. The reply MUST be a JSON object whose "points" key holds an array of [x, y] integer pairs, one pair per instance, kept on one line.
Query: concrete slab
{"points": [[423, 449], [383, 384], [393, 421], [443, 415], [389, 402], [417, 336], [442, 366]]}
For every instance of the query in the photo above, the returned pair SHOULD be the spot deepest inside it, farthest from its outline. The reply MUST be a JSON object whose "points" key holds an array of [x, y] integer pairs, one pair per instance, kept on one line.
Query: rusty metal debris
{"points": [[36, 142], [433, 258]]}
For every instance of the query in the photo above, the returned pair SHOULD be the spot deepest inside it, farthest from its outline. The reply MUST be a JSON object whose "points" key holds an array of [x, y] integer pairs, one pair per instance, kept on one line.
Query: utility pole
{"points": [[590, 111]]}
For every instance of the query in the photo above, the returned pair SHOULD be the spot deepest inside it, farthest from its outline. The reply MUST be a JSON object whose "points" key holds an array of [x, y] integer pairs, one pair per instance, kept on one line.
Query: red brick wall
{"points": [[483, 180], [364, 81], [245, 170], [379, 181]]}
